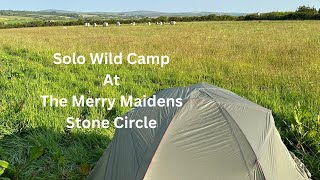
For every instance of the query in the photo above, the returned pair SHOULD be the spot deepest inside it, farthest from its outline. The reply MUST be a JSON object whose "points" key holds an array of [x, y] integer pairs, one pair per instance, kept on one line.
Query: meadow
{"points": [[14, 19], [273, 63]]}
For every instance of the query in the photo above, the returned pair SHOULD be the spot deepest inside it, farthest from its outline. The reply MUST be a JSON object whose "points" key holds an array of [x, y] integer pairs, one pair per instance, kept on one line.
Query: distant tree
{"points": [[162, 18], [145, 19], [307, 9], [173, 18], [212, 17]]}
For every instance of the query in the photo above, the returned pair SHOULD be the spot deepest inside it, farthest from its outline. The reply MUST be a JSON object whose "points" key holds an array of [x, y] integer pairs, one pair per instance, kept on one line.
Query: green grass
{"points": [[15, 19], [276, 64], [5, 18]]}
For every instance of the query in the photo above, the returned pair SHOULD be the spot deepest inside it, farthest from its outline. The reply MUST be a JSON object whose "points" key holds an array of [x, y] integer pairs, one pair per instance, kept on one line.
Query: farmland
{"points": [[14, 19], [275, 64]]}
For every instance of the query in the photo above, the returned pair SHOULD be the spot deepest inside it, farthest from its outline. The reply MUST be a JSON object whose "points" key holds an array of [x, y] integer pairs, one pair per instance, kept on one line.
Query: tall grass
{"points": [[276, 64]]}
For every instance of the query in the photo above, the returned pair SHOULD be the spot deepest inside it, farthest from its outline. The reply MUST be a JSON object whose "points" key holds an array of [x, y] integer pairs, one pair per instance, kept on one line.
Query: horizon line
{"points": [[84, 11]]}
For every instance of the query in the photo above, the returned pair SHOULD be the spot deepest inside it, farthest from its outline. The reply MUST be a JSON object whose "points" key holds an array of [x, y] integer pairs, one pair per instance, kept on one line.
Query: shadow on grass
{"points": [[45, 153]]}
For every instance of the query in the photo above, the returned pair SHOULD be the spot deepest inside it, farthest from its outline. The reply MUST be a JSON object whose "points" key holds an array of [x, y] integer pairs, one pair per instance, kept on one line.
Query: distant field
{"points": [[15, 19], [8, 18], [33, 17], [276, 64]]}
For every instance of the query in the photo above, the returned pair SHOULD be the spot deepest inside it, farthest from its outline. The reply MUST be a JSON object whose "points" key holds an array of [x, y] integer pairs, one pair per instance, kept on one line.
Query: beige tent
{"points": [[214, 135]]}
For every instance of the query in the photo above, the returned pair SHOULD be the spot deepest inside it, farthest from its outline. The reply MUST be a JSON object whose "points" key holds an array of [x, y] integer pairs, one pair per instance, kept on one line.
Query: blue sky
{"points": [[160, 5]]}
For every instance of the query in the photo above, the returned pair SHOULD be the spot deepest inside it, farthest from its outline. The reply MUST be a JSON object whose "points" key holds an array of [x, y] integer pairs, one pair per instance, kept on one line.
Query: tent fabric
{"points": [[216, 134]]}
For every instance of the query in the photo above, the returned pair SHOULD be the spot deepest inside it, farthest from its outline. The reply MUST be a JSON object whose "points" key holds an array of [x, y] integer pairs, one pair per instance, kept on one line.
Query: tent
{"points": [[214, 135]]}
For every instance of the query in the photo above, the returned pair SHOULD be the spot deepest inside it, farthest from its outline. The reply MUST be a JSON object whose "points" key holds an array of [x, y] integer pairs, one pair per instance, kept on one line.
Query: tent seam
{"points": [[259, 165], [256, 154], [224, 113], [270, 130], [173, 117], [135, 151], [247, 106], [108, 161]]}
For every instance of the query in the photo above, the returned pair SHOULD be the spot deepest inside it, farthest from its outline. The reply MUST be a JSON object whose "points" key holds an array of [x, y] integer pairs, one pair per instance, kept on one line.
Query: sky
{"points": [[244, 6]]}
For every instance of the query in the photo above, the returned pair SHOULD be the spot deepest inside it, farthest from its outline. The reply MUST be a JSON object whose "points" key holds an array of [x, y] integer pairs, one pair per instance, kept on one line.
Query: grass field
{"points": [[276, 64], [15, 19]]}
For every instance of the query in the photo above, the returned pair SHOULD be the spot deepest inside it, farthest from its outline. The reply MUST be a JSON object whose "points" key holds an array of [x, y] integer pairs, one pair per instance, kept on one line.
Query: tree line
{"points": [[302, 13], [82, 21]]}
